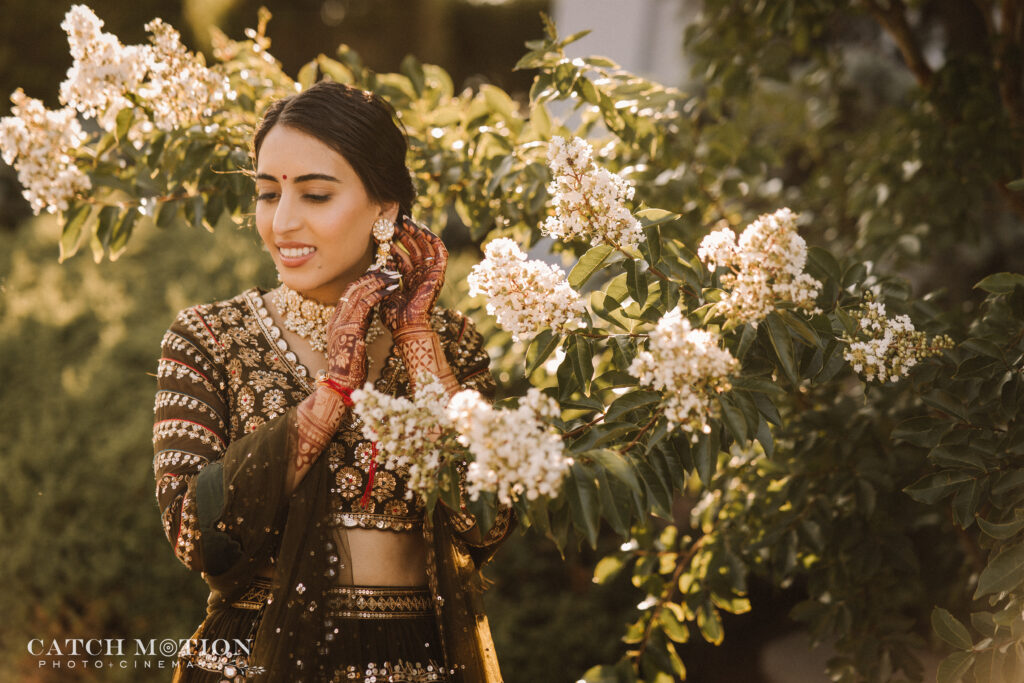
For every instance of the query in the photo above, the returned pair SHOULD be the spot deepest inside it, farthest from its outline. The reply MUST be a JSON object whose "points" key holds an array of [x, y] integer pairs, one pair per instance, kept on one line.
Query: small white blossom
{"points": [[525, 296], [406, 430], [688, 365], [514, 452], [174, 84], [104, 71], [179, 88], [886, 348], [589, 200], [766, 267], [41, 144], [510, 453]]}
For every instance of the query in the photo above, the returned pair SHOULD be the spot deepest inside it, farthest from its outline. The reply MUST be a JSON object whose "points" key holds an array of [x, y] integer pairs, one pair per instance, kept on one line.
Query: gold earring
{"points": [[383, 231]]}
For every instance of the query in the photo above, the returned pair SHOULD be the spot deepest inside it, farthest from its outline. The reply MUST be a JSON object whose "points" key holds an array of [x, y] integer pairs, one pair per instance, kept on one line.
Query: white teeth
{"points": [[297, 253]]}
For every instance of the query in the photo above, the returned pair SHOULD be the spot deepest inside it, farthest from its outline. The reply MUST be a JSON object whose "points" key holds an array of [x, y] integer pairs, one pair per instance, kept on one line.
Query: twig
{"points": [[895, 22]]}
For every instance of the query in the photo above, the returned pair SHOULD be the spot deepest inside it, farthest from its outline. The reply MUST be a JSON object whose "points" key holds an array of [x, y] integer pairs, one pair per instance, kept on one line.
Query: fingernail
{"points": [[391, 287]]}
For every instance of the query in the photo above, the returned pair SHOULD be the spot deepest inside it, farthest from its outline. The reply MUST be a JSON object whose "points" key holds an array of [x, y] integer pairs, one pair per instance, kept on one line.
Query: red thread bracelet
{"points": [[343, 391]]}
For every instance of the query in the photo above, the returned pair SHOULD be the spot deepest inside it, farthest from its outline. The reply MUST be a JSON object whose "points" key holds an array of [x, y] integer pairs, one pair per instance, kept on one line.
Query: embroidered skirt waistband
{"points": [[378, 602]]}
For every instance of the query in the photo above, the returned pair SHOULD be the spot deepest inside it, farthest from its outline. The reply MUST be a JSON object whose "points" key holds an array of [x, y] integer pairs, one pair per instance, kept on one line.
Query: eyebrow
{"points": [[301, 178]]}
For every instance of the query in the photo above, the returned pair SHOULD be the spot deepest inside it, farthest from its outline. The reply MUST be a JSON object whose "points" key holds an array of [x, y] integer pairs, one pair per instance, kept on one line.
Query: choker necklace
{"points": [[309, 318]]}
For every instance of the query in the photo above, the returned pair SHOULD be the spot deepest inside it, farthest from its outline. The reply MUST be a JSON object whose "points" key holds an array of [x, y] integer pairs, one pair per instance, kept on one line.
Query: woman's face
{"points": [[314, 214]]}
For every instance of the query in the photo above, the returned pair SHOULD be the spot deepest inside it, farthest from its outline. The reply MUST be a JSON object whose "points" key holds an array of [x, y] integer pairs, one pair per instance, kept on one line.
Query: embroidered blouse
{"points": [[225, 371]]}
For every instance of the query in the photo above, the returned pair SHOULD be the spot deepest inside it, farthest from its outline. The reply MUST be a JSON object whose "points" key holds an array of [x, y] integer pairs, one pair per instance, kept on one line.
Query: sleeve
{"points": [[469, 360], [202, 517]]}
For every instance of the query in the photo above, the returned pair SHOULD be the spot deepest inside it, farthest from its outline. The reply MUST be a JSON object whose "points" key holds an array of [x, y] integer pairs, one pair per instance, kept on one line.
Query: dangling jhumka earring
{"points": [[383, 231]]}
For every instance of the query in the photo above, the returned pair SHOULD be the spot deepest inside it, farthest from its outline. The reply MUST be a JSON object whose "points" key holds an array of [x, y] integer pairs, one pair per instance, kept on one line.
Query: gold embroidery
{"points": [[352, 602]]}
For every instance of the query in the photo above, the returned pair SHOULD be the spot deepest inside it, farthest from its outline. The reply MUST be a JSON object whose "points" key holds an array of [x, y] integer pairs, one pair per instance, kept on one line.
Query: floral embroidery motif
{"points": [[350, 482]]}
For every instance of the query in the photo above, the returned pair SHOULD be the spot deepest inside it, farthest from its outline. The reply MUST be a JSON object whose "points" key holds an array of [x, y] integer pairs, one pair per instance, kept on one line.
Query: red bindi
{"points": [[284, 177]]}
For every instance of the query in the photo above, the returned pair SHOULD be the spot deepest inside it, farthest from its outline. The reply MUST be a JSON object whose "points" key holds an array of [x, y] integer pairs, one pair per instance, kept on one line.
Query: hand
{"points": [[423, 270], [346, 333]]}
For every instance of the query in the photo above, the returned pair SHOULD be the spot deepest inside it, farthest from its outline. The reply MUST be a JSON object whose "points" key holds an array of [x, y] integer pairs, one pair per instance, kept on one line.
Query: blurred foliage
{"points": [[893, 508]]}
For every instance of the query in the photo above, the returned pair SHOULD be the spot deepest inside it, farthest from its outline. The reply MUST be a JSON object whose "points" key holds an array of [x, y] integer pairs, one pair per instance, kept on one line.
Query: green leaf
{"points": [[656, 217], [783, 345], [705, 457], [1003, 573], [1015, 185], [965, 503], [1000, 283], [124, 122], [1002, 531], [584, 502], [588, 265], [734, 419], [947, 627], [71, 231], [953, 667], [710, 623], [580, 353], [631, 401], [932, 488], [673, 627], [607, 569], [616, 502], [636, 281], [412, 68], [307, 75], [802, 329], [824, 262], [541, 347]]}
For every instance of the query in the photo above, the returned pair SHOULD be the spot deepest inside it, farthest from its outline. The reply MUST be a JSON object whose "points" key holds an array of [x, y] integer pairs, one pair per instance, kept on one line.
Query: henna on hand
{"points": [[346, 333], [421, 352], [423, 270], [316, 421], [319, 414]]}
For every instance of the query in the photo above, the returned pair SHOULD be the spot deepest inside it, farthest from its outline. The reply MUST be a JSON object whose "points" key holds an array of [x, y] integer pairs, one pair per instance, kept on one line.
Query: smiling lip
{"points": [[294, 254]]}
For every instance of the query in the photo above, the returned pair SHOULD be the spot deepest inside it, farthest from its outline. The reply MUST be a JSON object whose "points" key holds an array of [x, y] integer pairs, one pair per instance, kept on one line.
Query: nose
{"points": [[287, 214]]}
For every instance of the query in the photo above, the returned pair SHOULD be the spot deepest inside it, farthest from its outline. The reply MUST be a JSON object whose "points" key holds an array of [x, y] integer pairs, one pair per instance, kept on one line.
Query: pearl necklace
{"points": [[309, 318]]}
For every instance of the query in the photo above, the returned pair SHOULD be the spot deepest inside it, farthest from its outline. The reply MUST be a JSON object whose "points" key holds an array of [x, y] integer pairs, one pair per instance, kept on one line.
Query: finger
{"points": [[402, 261], [411, 241]]}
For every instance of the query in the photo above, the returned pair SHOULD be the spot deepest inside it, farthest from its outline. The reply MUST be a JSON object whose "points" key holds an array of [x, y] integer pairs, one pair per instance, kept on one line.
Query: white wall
{"points": [[643, 36]]}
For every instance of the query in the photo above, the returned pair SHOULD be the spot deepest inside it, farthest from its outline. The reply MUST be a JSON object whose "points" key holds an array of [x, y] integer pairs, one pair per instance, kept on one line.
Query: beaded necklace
{"points": [[309, 318]]}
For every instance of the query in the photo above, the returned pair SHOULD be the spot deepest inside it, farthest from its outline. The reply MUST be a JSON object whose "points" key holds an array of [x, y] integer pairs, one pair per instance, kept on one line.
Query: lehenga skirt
{"points": [[373, 633]]}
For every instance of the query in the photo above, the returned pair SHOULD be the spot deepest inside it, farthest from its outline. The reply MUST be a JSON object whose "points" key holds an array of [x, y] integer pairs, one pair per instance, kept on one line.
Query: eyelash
{"points": [[318, 198]]}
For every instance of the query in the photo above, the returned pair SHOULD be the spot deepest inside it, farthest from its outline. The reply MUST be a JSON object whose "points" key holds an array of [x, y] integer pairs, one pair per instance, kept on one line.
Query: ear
{"points": [[389, 210]]}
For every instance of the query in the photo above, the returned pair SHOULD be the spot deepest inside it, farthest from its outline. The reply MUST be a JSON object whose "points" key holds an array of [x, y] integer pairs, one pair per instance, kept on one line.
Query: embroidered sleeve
{"points": [[221, 500], [466, 353], [189, 430]]}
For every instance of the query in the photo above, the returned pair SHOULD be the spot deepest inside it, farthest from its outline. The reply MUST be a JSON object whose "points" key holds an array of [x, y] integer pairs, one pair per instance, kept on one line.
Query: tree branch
{"points": [[894, 20]]}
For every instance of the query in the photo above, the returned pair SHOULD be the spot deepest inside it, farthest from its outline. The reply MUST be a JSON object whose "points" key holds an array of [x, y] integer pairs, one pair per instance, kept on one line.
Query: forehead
{"points": [[289, 151]]}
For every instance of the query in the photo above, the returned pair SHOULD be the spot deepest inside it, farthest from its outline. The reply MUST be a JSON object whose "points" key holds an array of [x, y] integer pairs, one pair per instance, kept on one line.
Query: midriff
{"points": [[383, 558]]}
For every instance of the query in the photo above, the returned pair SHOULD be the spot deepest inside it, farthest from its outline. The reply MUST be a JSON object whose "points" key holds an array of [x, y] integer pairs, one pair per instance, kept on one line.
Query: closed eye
{"points": [[317, 197], [265, 196]]}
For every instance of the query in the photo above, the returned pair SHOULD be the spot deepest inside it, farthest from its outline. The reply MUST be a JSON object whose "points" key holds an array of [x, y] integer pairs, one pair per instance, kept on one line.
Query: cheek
{"points": [[264, 223]]}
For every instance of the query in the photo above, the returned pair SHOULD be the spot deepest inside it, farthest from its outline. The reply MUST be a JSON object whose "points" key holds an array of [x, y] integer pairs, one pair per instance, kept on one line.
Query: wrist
{"points": [[338, 387]]}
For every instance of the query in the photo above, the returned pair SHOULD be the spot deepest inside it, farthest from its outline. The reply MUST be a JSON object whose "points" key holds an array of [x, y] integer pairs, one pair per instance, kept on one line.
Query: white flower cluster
{"points": [[511, 452], [589, 200], [41, 143], [766, 264], [514, 452], [690, 366], [104, 70], [105, 79], [406, 430], [525, 296], [889, 347], [179, 89], [173, 83]]}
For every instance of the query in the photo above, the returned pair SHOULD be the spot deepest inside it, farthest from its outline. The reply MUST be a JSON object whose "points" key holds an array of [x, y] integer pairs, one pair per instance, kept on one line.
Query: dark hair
{"points": [[358, 125]]}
